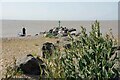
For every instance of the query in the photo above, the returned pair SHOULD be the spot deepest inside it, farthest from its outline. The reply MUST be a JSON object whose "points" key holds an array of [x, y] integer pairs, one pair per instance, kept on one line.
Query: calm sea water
{"points": [[11, 28]]}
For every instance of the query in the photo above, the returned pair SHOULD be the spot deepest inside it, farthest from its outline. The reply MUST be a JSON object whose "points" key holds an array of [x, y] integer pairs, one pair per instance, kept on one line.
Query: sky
{"points": [[59, 10], [60, 0]]}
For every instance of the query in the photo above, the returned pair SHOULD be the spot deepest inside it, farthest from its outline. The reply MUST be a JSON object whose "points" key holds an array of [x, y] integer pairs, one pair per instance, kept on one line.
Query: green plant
{"points": [[49, 35], [90, 56], [12, 72], [54, 65]]}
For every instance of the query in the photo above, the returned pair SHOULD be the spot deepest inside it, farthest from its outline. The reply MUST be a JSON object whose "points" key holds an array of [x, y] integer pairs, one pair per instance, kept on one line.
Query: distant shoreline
{"points": [[11, 28], [25, 37], [53, 20]]}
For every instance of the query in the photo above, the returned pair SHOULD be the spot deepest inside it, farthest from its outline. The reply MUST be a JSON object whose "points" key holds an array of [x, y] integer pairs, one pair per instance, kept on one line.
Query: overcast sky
{"points": [[59, 10], [60, 0]]}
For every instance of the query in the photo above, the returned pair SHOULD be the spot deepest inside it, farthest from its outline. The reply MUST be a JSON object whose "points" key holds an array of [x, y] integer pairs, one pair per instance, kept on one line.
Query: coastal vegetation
{"points": [[89, 56]]}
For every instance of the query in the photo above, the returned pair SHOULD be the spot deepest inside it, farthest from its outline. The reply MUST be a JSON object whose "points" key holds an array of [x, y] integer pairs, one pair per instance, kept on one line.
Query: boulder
{"points": [[48, 48], [31, 65]]}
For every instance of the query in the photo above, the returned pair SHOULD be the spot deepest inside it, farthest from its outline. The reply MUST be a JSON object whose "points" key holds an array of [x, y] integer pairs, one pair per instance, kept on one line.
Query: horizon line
{"points": [[61, 19]]}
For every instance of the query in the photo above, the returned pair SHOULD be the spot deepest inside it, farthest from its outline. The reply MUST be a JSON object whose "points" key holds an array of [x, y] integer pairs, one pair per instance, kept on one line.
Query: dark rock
{"points": [[66, 31], [70, 30], [65, 34], [63, 31], [22, 35], [48, 48], [78, 34], [36, 34], [30, 65], [29, 55], [51, 31]]}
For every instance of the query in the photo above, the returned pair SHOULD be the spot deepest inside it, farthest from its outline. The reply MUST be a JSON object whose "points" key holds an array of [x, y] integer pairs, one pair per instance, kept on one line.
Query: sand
{"points": [[17, 47]]}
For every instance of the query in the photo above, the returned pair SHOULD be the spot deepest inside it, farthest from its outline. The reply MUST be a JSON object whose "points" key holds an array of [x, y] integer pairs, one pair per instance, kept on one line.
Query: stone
{"points": [[48, 48], [30, 65]]}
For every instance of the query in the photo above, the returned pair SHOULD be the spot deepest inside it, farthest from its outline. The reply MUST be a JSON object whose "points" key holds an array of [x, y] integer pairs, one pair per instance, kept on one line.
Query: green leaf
{"points": [[115, 71], [87, 59], [81, 65]]}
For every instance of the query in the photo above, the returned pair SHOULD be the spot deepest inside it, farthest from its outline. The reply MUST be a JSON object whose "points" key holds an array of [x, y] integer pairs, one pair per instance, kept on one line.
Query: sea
{"points": [[11, 28]]}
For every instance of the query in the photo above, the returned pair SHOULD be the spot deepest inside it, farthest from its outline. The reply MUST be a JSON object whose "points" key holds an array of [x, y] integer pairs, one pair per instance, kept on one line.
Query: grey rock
{"points": [[48, 48], [31, 65]]}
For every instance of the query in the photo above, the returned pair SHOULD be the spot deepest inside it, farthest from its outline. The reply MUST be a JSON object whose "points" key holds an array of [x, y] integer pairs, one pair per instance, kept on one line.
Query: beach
{"points": [[59, 40], [14, 47], [18, 47]]}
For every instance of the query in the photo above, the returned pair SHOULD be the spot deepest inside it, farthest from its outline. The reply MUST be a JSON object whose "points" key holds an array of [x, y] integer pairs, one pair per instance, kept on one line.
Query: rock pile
{"points": [[61, 31]]}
